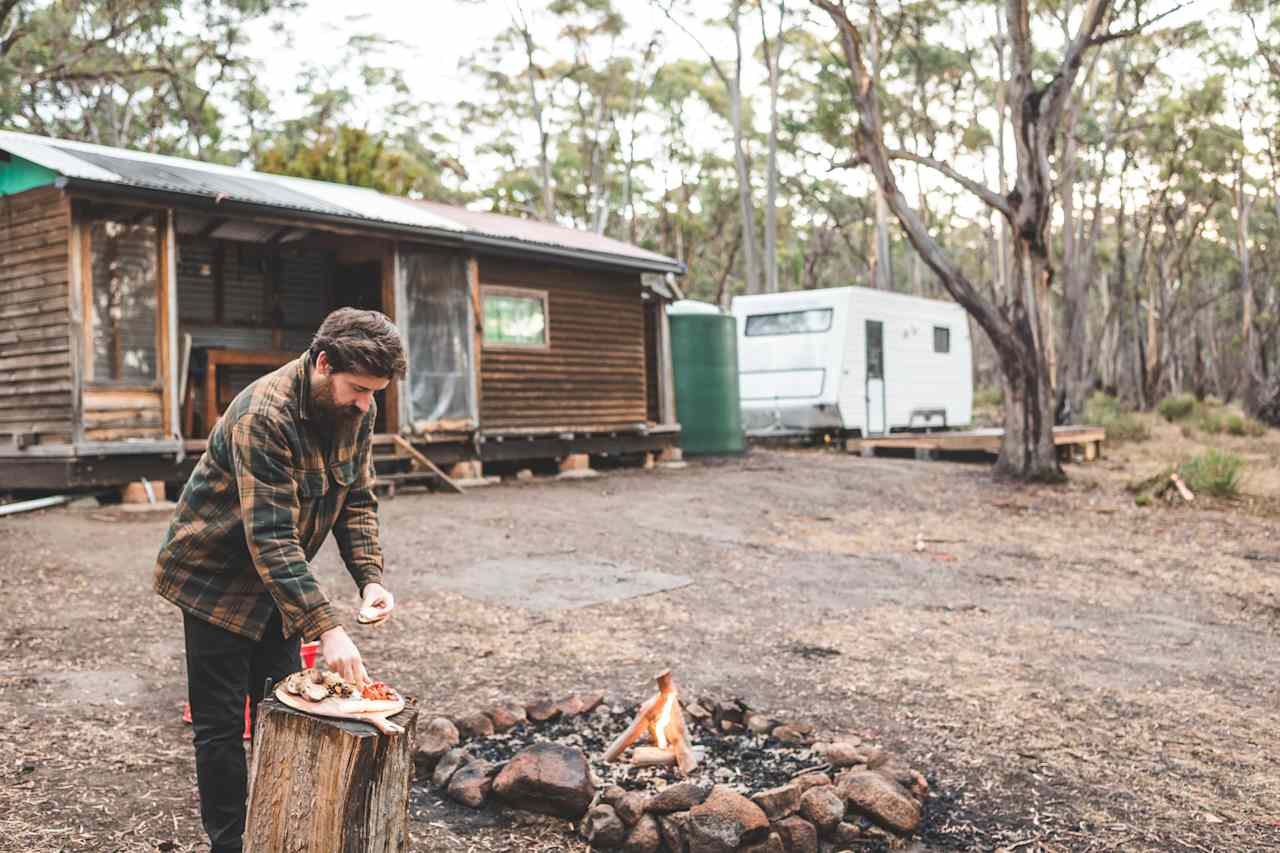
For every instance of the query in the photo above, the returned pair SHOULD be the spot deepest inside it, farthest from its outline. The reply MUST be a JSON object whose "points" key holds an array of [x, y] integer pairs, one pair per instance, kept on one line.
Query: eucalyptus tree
{"points": [[163, 75], [1038, 97]]}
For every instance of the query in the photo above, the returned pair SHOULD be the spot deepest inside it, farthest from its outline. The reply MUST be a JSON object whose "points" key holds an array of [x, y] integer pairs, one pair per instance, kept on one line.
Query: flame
{"points": [[660, 727]]}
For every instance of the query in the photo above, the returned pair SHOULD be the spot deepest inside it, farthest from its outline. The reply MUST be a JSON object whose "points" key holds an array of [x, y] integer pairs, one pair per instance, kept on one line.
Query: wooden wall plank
{"points": [[593, 371], [36, 375]]}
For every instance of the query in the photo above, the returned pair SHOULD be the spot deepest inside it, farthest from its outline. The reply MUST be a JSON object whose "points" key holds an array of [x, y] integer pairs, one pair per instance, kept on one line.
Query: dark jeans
{"points": [[223, 668]]}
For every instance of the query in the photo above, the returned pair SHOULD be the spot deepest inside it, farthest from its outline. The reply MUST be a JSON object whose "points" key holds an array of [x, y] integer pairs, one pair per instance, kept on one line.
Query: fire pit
{"points": [[674, 773]]}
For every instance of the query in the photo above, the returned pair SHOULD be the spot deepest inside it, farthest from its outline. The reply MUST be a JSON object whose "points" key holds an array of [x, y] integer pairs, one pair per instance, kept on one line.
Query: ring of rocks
{"points": [[762, 785]]}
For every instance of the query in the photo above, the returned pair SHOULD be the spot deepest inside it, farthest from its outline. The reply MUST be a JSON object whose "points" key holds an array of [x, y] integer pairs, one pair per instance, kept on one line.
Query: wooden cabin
{"points": [[139, 293]]}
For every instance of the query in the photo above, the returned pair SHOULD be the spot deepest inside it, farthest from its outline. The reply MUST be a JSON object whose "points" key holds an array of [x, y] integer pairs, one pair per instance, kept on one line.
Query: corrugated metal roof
{"points": [[80, 161], [533, 231]]}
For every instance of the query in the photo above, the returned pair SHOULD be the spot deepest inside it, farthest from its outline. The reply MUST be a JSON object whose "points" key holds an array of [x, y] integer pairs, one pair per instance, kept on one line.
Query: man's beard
{"points": [[338, 419]]}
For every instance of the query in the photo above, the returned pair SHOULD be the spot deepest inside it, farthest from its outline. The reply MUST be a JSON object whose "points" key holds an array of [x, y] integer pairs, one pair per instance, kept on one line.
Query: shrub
{"points": [[1212, 422], [1214, 472], [1240, 425], [1177, 407], [1121, 425]]}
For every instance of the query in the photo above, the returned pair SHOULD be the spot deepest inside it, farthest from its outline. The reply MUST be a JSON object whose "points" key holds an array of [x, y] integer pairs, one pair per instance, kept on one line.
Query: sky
{"points": [[436, 36]]}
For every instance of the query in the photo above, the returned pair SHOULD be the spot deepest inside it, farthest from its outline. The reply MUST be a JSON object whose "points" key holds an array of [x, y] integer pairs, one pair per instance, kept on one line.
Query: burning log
{"points": [[651, 756], [661, 719]]}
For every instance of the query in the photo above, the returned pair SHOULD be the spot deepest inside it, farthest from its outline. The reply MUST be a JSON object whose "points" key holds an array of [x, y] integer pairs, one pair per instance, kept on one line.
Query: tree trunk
{"points": [[750, 253], [544, 159], [1252, 380], [883, 250], [1014, 328], [320, 785], [771, 58]]}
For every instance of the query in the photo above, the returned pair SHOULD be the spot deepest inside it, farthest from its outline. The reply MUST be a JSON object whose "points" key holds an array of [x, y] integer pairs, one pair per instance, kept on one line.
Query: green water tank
{"points": [[704, 359]]}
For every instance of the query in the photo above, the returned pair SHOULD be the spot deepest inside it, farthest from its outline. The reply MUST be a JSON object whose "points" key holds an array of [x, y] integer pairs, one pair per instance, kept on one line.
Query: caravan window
{"points": [[790, 323], [941, 339]]}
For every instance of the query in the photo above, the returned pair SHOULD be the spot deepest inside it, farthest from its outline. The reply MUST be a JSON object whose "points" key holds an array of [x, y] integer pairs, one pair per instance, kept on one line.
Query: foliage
{"points": [[1214, 472], [988, 397], [1121, 423], [1177, 407]]}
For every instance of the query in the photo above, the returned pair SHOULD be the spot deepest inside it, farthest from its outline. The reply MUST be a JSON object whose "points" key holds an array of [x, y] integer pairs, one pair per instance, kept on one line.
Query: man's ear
{"points": [[322, 363]]}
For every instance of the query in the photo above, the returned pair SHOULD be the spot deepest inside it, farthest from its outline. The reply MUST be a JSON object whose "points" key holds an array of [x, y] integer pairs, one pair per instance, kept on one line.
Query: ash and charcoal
{"points": [[745, 760]]}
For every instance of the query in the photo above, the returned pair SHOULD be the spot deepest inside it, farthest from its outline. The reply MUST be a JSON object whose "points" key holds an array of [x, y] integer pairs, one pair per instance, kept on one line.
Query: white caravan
{"points": [[852, 360]]}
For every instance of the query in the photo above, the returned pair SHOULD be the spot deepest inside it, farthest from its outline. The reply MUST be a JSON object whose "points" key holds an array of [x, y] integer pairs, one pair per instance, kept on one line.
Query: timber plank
{"points": [[34, 333], [43, 279], [35, 294], [39, 347], [52, 399], [22, 389], [30, 309], [18, 362], [18, 272], [56, 426], [33, 373], [13, 324]]}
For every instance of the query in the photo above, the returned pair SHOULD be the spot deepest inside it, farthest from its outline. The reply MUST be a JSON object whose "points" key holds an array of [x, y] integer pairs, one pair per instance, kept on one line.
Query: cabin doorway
{"points": [[359, 285]]}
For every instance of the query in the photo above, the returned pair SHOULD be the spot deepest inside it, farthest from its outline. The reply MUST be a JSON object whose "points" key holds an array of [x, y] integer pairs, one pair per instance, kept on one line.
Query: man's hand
{"points": [[342, 656], [376, 605]]}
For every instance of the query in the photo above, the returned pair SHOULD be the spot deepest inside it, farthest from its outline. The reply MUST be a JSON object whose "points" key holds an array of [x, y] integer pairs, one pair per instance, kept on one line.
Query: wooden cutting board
{"points": [[372, 711]]}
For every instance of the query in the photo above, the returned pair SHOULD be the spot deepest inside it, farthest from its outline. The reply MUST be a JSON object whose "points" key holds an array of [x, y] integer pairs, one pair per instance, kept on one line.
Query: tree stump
{"points": [[324, 785]]}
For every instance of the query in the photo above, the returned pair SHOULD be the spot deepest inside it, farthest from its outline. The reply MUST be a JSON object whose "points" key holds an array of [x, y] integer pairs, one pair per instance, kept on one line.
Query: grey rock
{"points": [[780, 802], [798, 835], [604, 829], [822, 807], [630, 806], [451, 762], [471, 784], [811, 780], [547, 778], [672, 828], [439, 736], [679, 797], [725, 819], [475, 725], [506, 716], [882, 800], [644, 837]]}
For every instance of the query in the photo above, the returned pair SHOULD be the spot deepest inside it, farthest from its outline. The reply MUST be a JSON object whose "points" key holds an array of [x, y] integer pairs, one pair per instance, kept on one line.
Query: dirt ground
{"points": [[1070, 671]]}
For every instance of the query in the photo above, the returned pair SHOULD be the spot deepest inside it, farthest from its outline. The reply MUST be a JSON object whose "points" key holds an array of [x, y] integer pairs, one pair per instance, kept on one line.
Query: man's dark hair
{"points": [[359, 341]]}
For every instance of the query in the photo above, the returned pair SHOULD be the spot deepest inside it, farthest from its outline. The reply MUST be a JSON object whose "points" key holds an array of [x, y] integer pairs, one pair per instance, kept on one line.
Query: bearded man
{"points": [[289, 461]]}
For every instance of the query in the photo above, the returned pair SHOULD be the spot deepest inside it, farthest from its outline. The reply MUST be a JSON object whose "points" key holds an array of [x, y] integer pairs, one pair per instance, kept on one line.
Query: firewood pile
{"points": [[673, 773]]}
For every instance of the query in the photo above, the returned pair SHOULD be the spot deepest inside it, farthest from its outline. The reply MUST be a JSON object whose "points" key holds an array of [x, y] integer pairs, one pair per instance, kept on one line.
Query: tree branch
{"points": [[992, 199], [1134, 30], [715, 63]]}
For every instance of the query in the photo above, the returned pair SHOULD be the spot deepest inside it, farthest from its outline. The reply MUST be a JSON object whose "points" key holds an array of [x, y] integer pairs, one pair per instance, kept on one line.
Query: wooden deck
{"points": [[1088, 439]]}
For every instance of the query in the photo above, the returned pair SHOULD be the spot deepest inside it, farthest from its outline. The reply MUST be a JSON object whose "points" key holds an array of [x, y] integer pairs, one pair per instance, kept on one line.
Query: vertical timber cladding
{"points": [[37, 386], [591, 375]]}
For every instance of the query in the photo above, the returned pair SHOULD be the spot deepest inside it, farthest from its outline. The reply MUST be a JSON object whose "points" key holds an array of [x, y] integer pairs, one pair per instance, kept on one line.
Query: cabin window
{"points": [[941, 339], [515, 317], [789, 323], [125, 274]]}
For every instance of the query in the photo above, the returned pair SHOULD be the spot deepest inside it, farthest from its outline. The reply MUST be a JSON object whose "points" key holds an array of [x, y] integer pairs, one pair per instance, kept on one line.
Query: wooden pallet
{"points": [[1088, 439]]}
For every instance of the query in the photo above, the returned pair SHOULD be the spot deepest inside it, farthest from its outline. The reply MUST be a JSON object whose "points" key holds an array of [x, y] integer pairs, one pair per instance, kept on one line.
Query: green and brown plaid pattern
{"points": [[263, 497]]}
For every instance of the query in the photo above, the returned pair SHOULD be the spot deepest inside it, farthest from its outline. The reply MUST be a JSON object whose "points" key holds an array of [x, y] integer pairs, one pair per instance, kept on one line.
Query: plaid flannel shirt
{"points": [[259, 504]]}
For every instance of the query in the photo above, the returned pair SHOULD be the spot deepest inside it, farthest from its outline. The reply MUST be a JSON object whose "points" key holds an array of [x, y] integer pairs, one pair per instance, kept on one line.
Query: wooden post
{"points": [[318, 785]]}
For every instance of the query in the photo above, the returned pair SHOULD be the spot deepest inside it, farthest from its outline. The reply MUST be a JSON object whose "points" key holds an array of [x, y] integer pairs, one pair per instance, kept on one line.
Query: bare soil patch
{"points": [[1070, 671]]}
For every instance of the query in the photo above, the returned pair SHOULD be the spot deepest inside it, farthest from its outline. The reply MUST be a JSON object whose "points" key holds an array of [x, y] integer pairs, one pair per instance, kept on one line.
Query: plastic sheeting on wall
{"points": [[441, 375]]}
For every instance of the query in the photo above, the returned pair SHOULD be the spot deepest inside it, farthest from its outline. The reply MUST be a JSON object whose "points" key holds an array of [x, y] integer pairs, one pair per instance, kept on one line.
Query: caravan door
{"points": [[875, 393]]}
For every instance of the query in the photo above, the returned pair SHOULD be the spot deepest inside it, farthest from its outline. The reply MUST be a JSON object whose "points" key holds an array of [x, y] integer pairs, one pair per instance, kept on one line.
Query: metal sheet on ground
{"points": [[541, 584]]}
